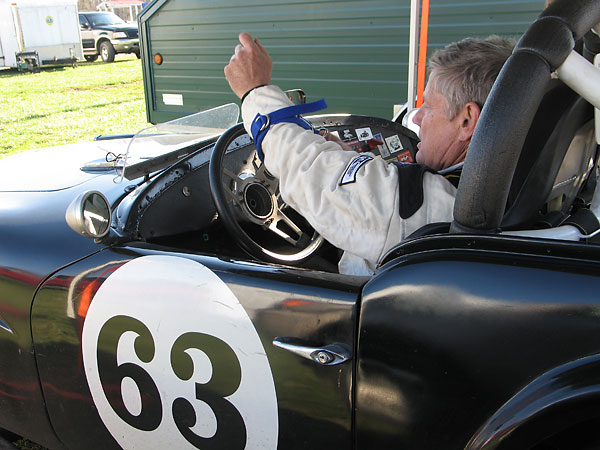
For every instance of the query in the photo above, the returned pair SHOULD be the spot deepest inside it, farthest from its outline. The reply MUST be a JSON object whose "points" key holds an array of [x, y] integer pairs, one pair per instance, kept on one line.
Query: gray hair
{"points": [[465, 71]]}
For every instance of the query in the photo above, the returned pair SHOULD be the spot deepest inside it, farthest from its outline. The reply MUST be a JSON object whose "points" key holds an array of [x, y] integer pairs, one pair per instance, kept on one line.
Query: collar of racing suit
{"points": [[410, 184]]}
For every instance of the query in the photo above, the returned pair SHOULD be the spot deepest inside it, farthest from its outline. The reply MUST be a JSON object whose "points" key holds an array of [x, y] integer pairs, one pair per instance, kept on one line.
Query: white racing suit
{"points": [[352, 199]]}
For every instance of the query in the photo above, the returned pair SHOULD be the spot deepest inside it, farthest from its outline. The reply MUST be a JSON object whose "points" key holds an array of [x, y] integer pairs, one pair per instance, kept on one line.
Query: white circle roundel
{"points": [[173, 361]]}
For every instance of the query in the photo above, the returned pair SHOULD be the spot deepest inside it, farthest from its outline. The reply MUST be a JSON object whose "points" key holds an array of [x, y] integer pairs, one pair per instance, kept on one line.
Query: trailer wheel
{"points": [[91, 58], [107, 51]]}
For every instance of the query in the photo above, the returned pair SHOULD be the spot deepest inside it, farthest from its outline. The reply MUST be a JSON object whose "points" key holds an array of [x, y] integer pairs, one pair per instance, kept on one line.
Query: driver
{"points": [[358, 202]]}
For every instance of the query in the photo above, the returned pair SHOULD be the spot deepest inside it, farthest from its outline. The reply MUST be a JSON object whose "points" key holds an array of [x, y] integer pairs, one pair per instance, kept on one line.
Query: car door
{"points": [[147, 348], [87, 35], [459, 328]]}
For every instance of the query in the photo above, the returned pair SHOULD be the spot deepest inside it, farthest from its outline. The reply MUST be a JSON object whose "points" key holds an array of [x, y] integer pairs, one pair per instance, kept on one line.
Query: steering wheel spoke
{"points": [[278, 225], [231, 196], [235, 178], [231, 189], [269, 180]]}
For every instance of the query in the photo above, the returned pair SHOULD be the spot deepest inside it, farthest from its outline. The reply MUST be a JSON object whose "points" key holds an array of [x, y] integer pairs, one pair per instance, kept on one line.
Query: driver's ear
{"points": [[469, 116]]}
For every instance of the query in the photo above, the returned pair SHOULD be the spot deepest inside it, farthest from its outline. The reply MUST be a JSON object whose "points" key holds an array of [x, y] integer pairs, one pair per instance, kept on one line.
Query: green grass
{"points": [[23, 444], [62, 105]]}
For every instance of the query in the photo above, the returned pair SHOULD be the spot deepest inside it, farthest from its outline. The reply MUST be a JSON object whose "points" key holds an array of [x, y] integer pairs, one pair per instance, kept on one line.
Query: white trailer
{"points": [[38, 32]]}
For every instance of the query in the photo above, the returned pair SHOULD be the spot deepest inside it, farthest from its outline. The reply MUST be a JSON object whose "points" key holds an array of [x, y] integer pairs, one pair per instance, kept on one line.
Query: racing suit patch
{"points": [[349, 175]]}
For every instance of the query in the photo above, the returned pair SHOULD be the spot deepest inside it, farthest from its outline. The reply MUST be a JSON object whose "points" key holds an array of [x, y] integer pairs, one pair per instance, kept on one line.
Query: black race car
{"points": [[191, 308]]}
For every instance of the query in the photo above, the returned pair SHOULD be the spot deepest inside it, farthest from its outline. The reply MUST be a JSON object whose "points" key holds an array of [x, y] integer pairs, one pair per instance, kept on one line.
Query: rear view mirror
{"points": [[89, 215]]}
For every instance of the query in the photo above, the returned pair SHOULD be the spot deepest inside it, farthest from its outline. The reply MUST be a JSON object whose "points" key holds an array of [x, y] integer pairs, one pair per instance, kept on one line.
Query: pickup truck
{"points": [[106, 34]]}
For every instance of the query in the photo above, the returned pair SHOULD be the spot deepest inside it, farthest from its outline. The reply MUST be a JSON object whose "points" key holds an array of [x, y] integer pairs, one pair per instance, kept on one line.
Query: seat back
{"points": [[547, 176]]}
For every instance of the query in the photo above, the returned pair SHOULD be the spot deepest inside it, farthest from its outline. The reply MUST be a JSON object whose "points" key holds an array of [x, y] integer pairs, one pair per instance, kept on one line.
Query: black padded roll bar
{"points": [[507, 115]]}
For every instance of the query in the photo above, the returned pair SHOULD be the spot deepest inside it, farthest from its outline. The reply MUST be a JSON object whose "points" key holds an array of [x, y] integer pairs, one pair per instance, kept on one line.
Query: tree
{"points": [[87, 5]]}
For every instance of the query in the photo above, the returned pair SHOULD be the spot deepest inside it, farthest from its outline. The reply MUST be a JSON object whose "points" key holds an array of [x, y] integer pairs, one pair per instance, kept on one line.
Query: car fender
{"points": [[103, 37], [553, 402], [301, 395]]}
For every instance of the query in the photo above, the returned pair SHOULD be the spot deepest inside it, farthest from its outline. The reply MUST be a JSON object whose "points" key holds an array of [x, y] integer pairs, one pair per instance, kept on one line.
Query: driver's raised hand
{"points": [[250, 66]]}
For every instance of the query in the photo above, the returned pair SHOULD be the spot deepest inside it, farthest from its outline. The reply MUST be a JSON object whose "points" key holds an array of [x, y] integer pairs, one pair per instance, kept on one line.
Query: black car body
{"points": [[162, 332], [105, 34]]}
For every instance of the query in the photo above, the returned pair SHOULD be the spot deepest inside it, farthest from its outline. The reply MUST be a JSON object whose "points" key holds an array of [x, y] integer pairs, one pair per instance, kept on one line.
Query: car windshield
{"points": [[100, 19], [160, 145]]}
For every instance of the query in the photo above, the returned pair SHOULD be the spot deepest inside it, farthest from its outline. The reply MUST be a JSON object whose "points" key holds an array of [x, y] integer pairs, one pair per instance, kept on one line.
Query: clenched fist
{"points": [[250, 66]]}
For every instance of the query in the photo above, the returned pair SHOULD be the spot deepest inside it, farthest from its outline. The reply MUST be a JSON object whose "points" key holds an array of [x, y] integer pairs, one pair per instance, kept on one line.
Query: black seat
{"points": [[548, 148], [551, 170]]}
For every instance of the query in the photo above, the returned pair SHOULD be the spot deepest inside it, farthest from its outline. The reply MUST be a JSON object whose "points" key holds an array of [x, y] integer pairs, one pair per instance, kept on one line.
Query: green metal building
{"points": [[352, 53]]}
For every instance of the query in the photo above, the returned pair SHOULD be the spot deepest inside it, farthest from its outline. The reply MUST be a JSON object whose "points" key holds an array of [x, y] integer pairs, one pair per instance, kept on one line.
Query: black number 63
{"points": [[225, 380]]}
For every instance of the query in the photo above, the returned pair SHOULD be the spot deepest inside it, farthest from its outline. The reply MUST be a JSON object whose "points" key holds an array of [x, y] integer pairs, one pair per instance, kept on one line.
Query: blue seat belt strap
{"points": [[262, 123]]}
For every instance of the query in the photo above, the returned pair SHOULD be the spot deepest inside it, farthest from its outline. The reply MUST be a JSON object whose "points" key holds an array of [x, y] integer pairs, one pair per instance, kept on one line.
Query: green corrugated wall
{"points": [[353, 53]]}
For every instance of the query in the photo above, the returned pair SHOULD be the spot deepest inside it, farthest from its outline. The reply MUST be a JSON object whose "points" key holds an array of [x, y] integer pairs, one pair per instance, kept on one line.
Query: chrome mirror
{"points": [[89, 214], [407, 121]]}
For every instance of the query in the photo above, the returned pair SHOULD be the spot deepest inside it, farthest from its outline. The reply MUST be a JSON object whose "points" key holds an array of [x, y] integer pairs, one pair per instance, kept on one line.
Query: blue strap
{"points": [[261, 124]]}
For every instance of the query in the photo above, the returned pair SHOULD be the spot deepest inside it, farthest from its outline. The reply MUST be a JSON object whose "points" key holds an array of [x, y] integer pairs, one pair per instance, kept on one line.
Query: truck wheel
{"points": [[91, 58], [107, 51]]}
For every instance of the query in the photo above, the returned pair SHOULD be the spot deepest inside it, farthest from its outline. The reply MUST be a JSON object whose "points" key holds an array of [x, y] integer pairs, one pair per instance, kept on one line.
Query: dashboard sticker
{"points": [[364, 134], [394, 143], [405, 157], [381, 147], [348, 135], [173, 360]]}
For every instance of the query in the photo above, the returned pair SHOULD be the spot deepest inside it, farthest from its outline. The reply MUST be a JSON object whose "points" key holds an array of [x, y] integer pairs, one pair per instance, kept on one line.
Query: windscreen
{"points": [[162, 144], [103, 19]]}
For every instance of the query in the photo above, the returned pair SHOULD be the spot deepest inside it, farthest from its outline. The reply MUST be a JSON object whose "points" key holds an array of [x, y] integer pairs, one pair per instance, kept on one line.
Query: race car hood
{"points": [[66, 166], [55, 168]]}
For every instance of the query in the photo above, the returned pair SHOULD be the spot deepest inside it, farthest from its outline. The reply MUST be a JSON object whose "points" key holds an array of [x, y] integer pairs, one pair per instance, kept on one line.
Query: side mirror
{"points": [[297, 96], [89, 215], [85, 26]]}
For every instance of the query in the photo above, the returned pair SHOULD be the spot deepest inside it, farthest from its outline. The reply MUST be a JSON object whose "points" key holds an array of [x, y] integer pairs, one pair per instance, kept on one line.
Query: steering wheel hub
{"points": [[258, 202]]}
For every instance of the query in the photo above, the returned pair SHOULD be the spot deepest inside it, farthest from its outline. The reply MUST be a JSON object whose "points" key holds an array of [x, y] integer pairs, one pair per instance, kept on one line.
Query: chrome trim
{"points": [[327, 355]]}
